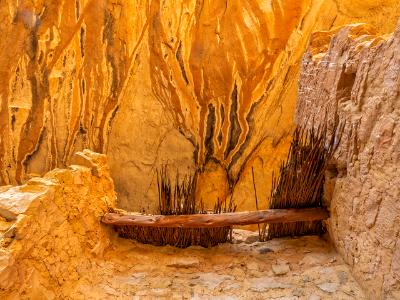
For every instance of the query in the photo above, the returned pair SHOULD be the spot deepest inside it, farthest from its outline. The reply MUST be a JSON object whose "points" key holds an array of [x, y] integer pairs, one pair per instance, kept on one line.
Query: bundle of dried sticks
{"points": [[300, 181], [174, 199]]}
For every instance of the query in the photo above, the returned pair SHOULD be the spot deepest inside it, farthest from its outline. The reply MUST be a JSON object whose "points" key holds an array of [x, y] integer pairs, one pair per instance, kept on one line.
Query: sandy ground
{"points": [[303, 268]]}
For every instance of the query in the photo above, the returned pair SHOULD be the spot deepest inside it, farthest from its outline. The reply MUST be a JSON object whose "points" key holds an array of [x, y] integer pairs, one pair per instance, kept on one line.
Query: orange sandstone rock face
{"points": [[357, 75], [189, 83]]}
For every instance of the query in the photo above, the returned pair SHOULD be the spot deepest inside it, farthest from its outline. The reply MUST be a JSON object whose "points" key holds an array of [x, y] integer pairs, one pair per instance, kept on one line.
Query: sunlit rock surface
{"points": [[207, 83], [50, 231], [357, 75]]}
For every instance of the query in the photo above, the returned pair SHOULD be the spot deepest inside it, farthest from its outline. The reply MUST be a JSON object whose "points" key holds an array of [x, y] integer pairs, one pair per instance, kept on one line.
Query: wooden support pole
{"points": [[218, 220]]}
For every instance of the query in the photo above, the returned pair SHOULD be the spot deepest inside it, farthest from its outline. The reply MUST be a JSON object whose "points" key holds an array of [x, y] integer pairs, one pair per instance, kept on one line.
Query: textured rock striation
{"points": [[189, 83], [357, 78]]}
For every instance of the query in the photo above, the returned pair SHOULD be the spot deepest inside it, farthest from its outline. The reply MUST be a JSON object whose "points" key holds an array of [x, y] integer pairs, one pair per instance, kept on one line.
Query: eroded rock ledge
{"points": [[357, 75], [50, 229]]}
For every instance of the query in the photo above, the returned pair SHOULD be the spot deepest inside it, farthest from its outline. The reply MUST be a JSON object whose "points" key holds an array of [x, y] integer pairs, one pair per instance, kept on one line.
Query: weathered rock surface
{"points": [[225, 272], [149, 82], [50, 230], [358, 75]]}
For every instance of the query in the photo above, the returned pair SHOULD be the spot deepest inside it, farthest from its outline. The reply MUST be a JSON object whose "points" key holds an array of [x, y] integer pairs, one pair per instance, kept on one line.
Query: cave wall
{"points": [[357, 78], [189, 83]]}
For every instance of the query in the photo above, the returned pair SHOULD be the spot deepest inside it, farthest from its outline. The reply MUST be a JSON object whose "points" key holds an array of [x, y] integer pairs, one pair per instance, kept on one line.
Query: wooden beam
{"points": [[218, 220]]}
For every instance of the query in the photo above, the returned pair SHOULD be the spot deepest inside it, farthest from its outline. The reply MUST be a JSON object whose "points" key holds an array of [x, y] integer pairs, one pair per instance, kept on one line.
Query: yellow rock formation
{"points": [[50, 229], [189, 83]]}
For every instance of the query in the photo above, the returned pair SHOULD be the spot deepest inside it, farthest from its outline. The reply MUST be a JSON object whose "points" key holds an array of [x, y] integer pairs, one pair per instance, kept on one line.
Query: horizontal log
{"points": [[218, 220]]}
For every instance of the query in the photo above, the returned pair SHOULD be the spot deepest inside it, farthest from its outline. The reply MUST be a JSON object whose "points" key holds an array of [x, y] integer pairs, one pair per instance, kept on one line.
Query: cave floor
{"points": [[303, 268]]}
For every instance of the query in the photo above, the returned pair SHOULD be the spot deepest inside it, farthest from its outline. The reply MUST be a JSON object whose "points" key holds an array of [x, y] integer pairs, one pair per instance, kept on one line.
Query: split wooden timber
{"points": [[270, 216]]}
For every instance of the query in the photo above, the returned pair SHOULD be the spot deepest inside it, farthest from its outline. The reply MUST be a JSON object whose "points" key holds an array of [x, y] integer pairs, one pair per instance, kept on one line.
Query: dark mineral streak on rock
{"points": [[82, 41], [234, 130], [179, 58], [222, 113], [208, 141]]}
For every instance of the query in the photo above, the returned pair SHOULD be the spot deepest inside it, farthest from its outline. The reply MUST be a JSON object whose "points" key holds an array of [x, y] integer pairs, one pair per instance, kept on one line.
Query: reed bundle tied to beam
{"points": [[295, 201], [300, 181], [179, 199]]}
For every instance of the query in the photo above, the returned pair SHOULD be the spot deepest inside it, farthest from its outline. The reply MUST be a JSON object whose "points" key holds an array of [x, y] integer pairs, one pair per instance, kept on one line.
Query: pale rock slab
{"points": [[280, 269], [328, 287], [263, 284]]}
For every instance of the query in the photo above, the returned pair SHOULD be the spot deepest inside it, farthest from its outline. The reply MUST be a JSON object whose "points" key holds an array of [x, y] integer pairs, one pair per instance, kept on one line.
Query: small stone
{"points": [[263, 284], [251, 239], [314, 297], [239, 235], [314, 259], [280, 269], [265, 250], [328, 287]]}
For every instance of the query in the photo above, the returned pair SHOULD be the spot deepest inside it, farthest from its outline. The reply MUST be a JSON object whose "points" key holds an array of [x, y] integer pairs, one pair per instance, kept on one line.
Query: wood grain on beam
{"points": [[218, 220]]}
